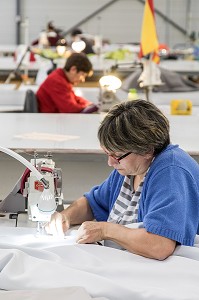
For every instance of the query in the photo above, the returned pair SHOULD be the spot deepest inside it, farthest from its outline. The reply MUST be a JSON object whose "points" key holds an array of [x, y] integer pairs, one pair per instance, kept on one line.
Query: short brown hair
{"points": [[137, 126], [80, 61]]}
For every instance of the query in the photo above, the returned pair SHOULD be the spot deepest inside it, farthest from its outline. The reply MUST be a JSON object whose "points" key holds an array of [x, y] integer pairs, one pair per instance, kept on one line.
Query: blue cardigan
{"points": [[169, 203]]}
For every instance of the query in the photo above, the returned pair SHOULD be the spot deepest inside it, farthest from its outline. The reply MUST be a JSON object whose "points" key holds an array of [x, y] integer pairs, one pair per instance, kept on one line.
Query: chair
{"points": [[30, 105]]}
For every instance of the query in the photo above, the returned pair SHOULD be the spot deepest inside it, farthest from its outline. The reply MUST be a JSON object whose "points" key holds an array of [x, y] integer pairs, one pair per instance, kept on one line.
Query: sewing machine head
{"points": [[107, 99], [39, 191], [41, 208]]}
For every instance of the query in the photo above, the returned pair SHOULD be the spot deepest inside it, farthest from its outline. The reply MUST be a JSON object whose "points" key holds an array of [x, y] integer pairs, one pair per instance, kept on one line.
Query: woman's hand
{"points": [[90, 232], [58, 224]]}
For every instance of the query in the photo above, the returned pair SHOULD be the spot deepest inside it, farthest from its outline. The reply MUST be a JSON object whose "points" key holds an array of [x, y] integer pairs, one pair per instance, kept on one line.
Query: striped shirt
{"points": [[125, 209]]}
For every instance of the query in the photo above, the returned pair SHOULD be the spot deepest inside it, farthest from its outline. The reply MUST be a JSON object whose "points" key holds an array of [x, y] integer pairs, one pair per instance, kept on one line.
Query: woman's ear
{"points": [[149, 155]]}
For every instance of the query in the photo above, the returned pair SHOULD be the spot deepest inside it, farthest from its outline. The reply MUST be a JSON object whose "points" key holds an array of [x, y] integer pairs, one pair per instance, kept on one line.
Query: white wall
{"points": [[120, 22], [7, 22]]}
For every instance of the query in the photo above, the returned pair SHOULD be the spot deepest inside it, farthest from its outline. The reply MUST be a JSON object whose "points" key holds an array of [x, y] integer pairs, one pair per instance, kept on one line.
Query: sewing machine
{"points": [[39, 195], [32, 188], [107, 99]]}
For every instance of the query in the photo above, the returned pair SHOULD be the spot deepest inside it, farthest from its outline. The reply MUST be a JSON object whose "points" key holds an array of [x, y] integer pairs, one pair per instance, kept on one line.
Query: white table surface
{"points": [[9, 86], [8, 48], [165, 98], [8, 63], [77, 133], [11, 99], [181, 66], [65, 133], [100, 64]]}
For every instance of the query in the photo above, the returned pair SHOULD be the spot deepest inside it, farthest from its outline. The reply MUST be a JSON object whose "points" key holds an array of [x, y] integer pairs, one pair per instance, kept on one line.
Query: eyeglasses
{"points": [[120, 157]]}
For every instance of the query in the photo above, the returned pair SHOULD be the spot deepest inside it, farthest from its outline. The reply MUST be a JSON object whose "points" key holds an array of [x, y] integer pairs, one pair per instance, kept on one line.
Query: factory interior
{"points": [[65, 66]]}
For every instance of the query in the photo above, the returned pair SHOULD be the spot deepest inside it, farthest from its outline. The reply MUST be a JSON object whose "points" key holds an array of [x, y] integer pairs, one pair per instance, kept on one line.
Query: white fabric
{"points": [[28, 263], [70, 293]]}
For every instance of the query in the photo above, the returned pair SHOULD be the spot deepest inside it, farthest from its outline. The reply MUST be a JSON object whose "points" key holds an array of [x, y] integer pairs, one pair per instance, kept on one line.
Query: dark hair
{"points": [[76, 31], [137, 126], [80, 61], [50, 26]]}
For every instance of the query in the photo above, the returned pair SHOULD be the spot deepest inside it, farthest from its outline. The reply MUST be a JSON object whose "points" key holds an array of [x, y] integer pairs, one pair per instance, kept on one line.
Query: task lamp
{"points": [[46, 203], [108, 86], [61, 47], [111, 82]]}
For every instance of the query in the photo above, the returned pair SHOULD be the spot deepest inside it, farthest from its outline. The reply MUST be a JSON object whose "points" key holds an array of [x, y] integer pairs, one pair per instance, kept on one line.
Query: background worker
{"points": [[153, 183], [48, 37], [56, 95], [77, 35]]}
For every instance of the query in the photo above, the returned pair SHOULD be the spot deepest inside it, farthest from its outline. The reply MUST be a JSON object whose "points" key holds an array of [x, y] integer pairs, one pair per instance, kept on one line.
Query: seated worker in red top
{"points": [[49, 37], [56, 95]]}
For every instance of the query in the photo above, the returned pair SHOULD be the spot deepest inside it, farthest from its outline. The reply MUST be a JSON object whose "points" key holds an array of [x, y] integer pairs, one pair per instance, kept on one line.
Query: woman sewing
{"points": [[150, 202]]}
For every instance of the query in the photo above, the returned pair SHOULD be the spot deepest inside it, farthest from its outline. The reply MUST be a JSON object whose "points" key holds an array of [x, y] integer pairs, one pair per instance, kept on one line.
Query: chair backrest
{"points": [[30, 105]]}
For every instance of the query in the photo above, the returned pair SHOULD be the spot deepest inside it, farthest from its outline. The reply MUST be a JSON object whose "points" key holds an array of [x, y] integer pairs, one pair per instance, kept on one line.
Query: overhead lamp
{"points": [[78, 46]]}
